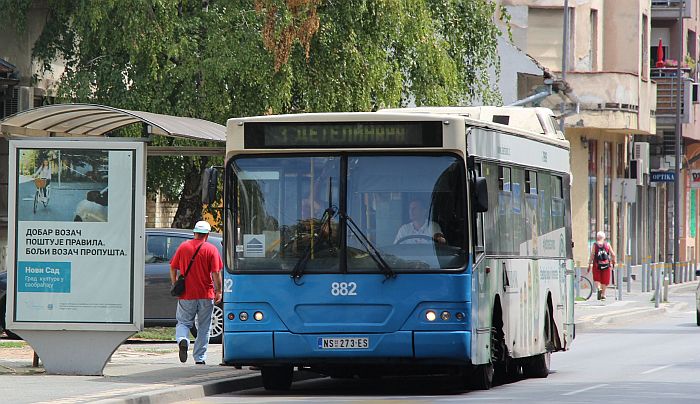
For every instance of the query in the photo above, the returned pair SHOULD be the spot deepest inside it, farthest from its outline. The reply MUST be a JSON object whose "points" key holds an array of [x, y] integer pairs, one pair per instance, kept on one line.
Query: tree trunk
{"points": [[189, 210]]}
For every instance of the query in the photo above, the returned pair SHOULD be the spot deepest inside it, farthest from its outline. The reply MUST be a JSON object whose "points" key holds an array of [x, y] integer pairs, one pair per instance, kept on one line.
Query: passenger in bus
{"points": [[420, 230]]}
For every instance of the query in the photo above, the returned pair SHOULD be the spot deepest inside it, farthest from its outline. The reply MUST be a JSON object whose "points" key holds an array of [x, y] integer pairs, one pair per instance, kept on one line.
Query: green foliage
{"points": [[219, 59]]}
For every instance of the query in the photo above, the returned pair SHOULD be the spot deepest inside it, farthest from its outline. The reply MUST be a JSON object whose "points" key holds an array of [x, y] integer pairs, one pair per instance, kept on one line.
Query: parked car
{"points": [[159, 306], [93, 208]]}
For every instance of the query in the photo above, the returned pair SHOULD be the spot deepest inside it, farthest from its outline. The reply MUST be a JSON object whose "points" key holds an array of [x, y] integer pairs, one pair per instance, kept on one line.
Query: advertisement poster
{"points": [[74, 234]]}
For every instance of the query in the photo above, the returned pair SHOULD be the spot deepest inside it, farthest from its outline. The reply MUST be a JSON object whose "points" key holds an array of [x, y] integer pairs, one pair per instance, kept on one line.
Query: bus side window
{"points": [[503, 214], [490, 218], [519, 212], [479, 236], [557, 204], [544, 215]]}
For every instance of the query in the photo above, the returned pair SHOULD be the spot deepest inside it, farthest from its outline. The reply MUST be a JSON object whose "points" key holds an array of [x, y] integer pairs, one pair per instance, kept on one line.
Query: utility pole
{"points": [[679, 129], [564, 60]]}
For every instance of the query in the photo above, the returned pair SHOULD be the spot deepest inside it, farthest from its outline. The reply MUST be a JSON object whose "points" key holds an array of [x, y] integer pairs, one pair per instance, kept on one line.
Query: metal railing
{"points": [[652, 276]]}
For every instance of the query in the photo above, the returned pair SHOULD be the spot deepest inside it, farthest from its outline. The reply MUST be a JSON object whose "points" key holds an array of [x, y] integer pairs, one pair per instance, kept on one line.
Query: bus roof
{"points": [[532, 123], [534, 120]]}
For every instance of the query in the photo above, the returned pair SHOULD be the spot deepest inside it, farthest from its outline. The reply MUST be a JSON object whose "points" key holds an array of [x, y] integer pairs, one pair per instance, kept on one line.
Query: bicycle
{"points": [[585, 287], [39, 196]]}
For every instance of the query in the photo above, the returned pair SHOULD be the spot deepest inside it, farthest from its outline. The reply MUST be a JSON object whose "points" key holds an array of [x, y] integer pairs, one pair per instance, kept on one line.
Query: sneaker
{"points": [[183, 350], [602, 297], [200, 363], [598, 294]]}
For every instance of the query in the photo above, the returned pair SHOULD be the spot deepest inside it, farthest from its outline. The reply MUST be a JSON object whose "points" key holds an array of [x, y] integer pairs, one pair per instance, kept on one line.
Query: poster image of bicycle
{"points": [[65, 185]]}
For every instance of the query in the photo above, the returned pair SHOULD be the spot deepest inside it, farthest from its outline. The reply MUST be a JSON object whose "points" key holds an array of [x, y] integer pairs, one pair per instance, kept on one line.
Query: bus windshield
{"points": [[318, 209]]}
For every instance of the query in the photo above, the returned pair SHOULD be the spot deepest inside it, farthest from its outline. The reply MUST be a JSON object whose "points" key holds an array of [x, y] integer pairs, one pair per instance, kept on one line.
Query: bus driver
{"points": [[420, 230]]}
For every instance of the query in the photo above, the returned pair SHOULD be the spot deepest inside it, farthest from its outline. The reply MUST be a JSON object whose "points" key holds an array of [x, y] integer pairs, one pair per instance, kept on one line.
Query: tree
{"points": [[216, 59]]}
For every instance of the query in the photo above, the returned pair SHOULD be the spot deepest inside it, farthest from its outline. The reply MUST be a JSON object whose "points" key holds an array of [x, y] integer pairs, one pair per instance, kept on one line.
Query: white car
{"points": [[93, 208]]}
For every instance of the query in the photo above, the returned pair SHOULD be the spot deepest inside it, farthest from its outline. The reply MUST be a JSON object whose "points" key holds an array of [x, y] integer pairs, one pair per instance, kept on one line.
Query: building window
{"points": [[592, 189], [645, 47], [620, 173], [663, 35], [593, 48]]}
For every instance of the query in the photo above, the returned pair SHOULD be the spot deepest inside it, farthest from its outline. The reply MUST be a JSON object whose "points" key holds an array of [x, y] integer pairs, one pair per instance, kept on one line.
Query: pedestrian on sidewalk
{"points": [[202, 290], [602, 262]]}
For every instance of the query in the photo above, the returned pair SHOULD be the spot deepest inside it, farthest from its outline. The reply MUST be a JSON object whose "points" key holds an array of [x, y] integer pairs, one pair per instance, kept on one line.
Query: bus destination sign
{"points": [[342, 135]]}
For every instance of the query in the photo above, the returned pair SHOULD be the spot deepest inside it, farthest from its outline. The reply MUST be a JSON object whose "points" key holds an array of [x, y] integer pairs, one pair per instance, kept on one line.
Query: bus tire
{"points": [[277, 377], [538, 365], [480, 377], [697, 316]]}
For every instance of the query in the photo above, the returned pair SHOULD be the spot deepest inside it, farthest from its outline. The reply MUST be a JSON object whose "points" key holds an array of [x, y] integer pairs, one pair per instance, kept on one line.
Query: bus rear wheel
{"points": [[480, 377], [277, 377], [538, 365]]}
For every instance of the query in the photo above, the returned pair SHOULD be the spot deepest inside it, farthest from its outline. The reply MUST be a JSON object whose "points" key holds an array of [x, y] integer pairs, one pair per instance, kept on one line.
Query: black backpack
{"points": [[602, 256]]}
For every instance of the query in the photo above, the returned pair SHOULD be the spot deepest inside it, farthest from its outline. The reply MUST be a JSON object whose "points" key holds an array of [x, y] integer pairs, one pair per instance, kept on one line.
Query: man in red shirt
{"points": [[200, 292]]}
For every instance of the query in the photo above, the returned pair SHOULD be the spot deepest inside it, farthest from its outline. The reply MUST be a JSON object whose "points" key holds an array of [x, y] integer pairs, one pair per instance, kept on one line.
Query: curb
{"points": [[196, 391], [631, 314]]}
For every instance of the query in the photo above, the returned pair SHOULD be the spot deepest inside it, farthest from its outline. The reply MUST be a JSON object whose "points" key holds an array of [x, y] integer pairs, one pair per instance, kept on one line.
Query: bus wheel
{"points": [[277, 377], [538, 365], [480, 377]]}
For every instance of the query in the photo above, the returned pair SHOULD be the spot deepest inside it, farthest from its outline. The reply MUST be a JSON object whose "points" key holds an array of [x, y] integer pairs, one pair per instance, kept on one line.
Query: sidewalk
{"points": [[137, 373], [634, 305], [152, 373]]}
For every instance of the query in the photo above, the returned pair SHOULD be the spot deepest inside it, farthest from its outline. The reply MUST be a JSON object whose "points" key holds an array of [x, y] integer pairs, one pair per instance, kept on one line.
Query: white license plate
{"points": [[343, 343]]}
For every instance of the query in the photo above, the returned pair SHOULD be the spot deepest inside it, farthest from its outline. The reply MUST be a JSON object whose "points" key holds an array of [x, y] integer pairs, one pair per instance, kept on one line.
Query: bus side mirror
{"points": [[210, 182], [481, 195]]}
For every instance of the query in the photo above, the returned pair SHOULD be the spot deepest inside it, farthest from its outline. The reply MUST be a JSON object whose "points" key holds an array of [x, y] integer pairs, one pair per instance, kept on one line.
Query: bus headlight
{"points": [[430, 315], [445, 315], [243, 316], [459, 316], [258, 316], [231, 316]]}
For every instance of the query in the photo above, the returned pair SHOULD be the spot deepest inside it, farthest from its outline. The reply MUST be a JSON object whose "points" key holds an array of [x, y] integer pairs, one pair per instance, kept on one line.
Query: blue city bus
{"points": [[429, 241]]}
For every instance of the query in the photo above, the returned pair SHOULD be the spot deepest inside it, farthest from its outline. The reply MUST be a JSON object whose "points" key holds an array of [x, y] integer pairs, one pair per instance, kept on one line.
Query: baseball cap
{"points": [[202, 227]]}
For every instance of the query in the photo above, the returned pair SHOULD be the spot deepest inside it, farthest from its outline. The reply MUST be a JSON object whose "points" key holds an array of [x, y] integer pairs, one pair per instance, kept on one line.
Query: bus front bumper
{"points": [[298, 349]]}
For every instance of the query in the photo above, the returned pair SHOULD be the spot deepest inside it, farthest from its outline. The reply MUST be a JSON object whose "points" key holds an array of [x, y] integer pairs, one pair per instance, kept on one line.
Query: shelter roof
{"points": [[98, 120]]}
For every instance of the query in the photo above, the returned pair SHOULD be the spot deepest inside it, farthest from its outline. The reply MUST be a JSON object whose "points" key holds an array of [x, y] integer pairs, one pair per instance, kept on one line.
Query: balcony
{"points": [[616, 101], [666, 95], [668, 9]]}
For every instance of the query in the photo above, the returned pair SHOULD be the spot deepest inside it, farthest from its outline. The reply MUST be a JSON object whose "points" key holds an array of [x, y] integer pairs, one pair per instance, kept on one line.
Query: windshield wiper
{"points": [[300, 265], [369, 247]]}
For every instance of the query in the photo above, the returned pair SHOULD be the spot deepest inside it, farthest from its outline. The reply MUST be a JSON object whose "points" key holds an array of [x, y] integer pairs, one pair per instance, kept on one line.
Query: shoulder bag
{"points": [[179, 286]]}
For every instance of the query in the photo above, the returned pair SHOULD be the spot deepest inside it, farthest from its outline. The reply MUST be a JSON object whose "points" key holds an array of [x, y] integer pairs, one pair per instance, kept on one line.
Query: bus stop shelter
{"points": [[90, 120]]}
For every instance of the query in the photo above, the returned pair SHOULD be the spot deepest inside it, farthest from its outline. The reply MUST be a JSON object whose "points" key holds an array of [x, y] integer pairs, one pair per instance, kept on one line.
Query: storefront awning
{"points": [[99, 120]]}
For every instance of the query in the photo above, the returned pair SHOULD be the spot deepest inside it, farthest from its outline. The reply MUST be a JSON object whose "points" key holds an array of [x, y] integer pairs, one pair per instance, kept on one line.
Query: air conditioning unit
{"points": [[637, 171], [641, 153]]}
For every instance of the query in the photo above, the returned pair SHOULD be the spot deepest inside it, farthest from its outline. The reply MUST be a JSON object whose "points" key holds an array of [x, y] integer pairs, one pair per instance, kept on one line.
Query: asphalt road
{"points": [[652, 360]]}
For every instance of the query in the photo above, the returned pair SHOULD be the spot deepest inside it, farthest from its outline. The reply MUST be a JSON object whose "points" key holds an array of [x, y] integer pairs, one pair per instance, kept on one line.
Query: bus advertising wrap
{"points": [[74, 241]]}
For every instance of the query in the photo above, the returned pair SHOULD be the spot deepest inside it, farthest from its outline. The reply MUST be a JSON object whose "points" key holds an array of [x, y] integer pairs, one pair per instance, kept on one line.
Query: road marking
{"points": [[656, 369], [571, 393]]}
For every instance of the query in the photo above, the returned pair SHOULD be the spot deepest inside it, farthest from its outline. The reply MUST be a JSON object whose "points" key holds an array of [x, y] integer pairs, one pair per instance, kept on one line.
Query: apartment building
{"points": [[674, 39], [608, 71]]}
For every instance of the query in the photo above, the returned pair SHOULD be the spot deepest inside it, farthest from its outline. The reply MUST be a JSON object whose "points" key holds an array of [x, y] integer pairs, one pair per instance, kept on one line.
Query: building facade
{"points": [[609, 74], [23, 85], [674, 28]]}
